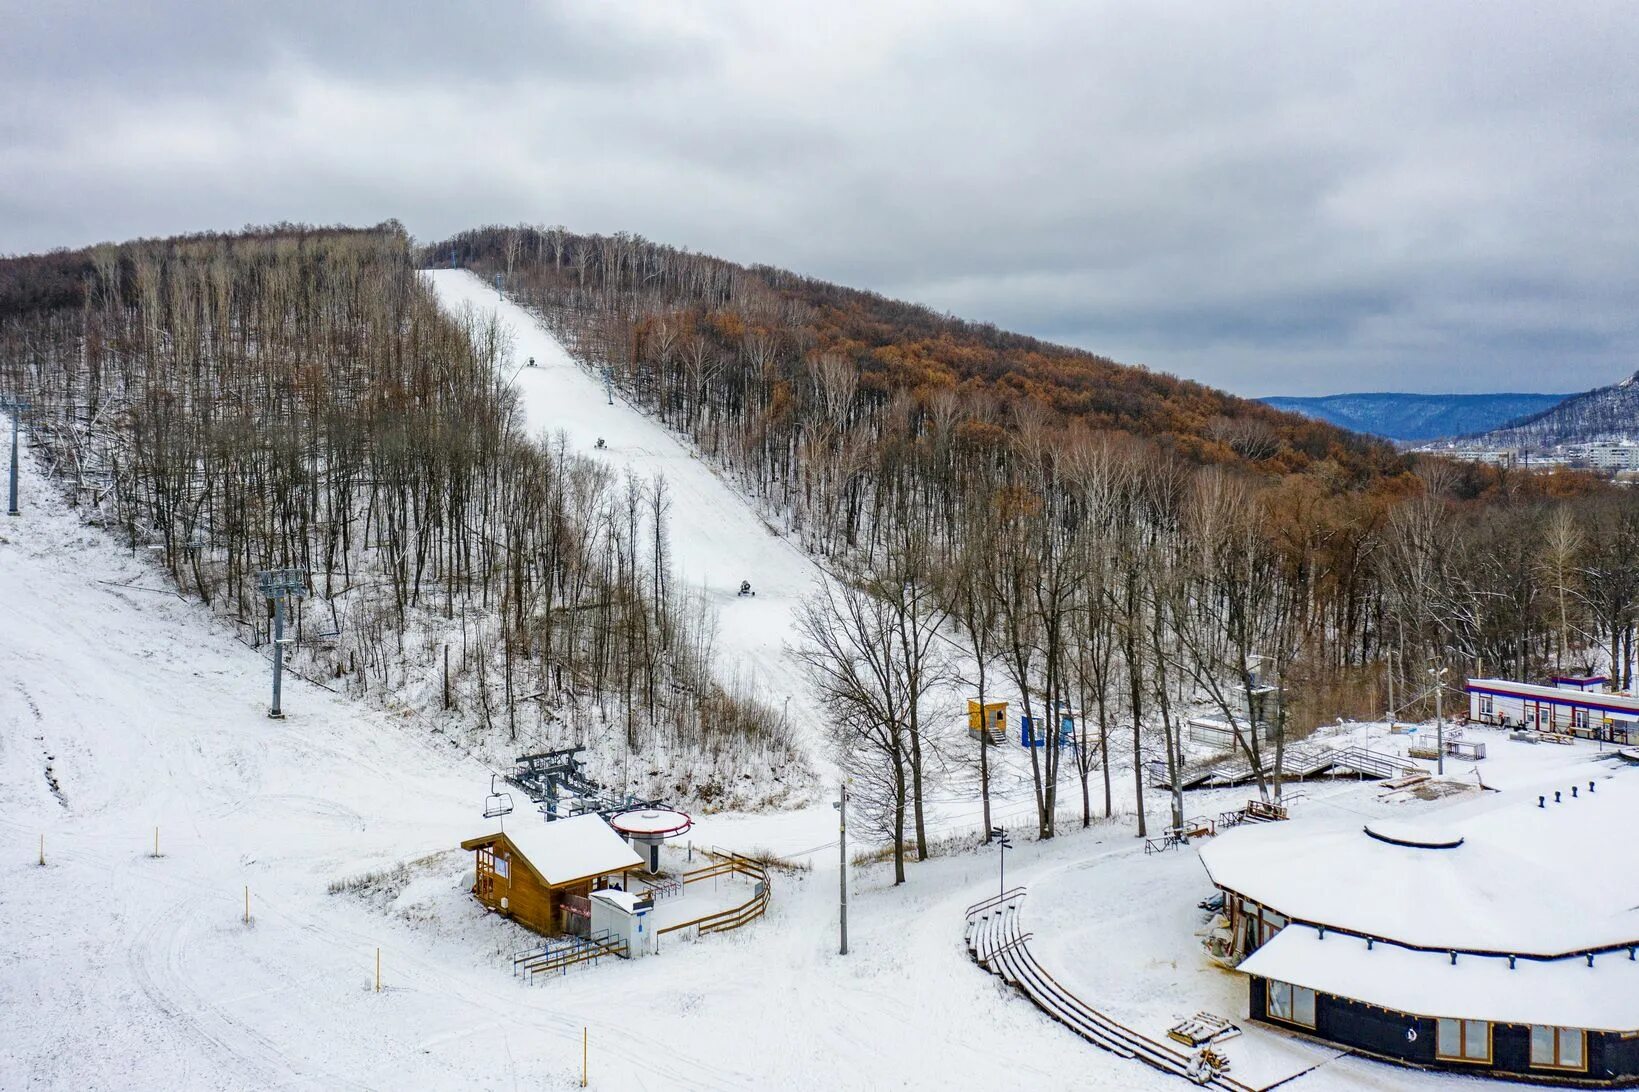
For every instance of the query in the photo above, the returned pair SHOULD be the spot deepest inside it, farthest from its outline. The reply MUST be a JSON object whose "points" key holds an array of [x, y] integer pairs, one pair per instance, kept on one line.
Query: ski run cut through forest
{"points": [[742, 538]]}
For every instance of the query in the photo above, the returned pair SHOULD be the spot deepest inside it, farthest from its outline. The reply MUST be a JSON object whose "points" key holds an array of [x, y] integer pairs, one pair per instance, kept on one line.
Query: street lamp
{"points": [[999, 836], [1439, 720]]}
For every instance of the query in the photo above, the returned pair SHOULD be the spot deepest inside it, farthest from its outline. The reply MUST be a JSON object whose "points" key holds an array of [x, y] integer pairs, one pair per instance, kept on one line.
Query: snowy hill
{"points": [[128, 709], [125, 709], [1417, 417], [716, 540], [1603, 413]]}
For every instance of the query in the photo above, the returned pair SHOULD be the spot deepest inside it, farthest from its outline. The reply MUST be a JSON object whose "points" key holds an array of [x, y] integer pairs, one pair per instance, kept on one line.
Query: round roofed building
{"points": [[1502, 941]]}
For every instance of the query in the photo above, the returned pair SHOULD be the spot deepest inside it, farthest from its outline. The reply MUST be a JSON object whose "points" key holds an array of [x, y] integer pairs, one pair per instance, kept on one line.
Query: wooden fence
{"points": [[725, 864]]}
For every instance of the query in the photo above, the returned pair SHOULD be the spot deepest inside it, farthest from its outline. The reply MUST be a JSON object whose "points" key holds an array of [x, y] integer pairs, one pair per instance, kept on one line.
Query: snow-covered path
{"points": [[716, 539]]}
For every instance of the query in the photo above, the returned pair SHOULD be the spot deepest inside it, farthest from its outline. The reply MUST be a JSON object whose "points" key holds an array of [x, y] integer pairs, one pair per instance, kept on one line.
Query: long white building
{"points": [[1574, 705]]}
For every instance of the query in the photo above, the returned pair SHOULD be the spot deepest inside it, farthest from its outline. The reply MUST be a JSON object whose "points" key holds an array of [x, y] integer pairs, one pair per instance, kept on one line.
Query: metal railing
{"points": [[558, 957], [995, 943]]}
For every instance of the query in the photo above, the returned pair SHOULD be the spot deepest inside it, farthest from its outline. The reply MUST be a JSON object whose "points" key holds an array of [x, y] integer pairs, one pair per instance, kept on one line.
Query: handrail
{"points": [[995, 900], [564, 958], [1014, 962]]}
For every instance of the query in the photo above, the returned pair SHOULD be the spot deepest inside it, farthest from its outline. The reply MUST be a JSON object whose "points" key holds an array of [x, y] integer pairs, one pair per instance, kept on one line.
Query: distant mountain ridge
{"points": [[1413, 418], [1605, 413]]}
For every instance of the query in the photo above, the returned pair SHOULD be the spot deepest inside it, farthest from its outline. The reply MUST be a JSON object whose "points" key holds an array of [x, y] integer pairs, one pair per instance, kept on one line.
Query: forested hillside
{"points": [[292, 397], [1095, 537], [1416, 417], [1605, 413]]}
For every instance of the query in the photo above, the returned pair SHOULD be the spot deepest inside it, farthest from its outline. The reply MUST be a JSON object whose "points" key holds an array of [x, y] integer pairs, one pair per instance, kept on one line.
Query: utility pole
{"points": [[842, 844], [1439, 720], [1390, 717], [280, 585], [17, 408]]}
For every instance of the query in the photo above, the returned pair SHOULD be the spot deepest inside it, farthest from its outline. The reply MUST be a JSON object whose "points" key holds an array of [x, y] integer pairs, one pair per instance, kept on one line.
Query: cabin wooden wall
{"points": [[529, 902]]}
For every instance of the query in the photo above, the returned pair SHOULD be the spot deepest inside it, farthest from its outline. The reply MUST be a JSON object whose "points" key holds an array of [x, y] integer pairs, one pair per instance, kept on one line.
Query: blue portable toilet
{"points": [[1067, 731]]}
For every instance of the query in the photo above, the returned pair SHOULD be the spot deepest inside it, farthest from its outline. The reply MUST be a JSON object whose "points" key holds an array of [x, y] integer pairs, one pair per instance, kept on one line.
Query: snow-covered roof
{"points": [[664, 821], [1620, 704], [1525, 880], [566, 850], [625, 900], [1561, 992]]}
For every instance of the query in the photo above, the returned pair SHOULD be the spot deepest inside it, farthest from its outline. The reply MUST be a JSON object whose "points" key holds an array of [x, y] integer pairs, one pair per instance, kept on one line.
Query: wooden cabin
{"points": [[989, 720], [542, 874]]}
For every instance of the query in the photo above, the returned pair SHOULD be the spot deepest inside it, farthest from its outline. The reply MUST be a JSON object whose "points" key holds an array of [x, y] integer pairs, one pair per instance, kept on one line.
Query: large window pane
{"points": [[1449, 1041], [1570, 1048], [1303, 1006], [1542, 1045], [1280, 1000], [1476, 1039]]}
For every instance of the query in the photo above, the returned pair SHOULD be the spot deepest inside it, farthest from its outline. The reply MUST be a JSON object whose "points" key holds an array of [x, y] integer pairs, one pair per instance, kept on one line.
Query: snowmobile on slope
{"points": [[745, 588]]}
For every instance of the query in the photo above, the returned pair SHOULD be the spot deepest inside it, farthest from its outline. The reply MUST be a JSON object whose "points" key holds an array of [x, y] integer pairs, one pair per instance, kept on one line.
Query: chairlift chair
{"points": [[497, 803], [335, 624]]}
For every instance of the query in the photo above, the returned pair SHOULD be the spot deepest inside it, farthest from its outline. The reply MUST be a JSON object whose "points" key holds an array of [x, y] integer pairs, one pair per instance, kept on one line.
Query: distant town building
{"points": [[1613, 455]]}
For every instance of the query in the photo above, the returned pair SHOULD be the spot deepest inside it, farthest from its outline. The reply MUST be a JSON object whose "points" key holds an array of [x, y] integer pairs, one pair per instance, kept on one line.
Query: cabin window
{"points": [[1463, 1041], [501, 868], [1558, 1048], [1486, 706], [1272, 924], [1293, 1004], [1579, 718]]}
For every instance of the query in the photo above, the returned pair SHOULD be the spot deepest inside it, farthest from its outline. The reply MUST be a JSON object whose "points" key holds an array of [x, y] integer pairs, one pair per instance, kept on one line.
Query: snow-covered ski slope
{"points": [[716, 539], [123, 708]]}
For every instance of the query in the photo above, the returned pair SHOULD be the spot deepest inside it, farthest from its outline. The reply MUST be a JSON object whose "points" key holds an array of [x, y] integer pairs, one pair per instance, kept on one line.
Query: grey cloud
{"points": [[1270, 197]]}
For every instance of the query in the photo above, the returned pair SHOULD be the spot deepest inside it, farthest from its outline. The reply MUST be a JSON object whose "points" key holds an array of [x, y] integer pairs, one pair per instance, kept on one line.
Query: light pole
{"points": [[17, 410], [1390, 717], [841, 805], [999, 836], [1439, 720]]}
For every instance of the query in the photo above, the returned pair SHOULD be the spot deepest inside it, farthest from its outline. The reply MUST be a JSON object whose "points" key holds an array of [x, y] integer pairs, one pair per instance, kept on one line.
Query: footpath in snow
{"points": [[716, 539]]}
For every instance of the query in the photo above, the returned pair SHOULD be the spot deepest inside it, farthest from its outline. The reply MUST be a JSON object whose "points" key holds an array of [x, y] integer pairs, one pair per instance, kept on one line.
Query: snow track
{"points": [[717, 540]]}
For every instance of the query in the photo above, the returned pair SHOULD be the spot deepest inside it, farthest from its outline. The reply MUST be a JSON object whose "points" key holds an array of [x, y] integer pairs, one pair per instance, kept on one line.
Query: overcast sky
{"points": [[1293, 198]]}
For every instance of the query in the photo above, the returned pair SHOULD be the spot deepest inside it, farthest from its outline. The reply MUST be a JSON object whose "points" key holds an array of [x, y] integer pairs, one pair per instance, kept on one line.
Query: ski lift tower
{"points": [[17, 408], [280, 585]]}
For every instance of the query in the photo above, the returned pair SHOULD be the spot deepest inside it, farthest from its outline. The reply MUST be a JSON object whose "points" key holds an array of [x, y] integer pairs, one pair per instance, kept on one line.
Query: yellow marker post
{"points": [[42, 850], [583, 1038], [156, 841], [378, 970], [247, 904]]}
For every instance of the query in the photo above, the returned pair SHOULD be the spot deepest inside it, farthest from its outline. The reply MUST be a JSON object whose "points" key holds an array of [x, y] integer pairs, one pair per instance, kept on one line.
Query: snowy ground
{"points": [[122, 970], [123, 708]]}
